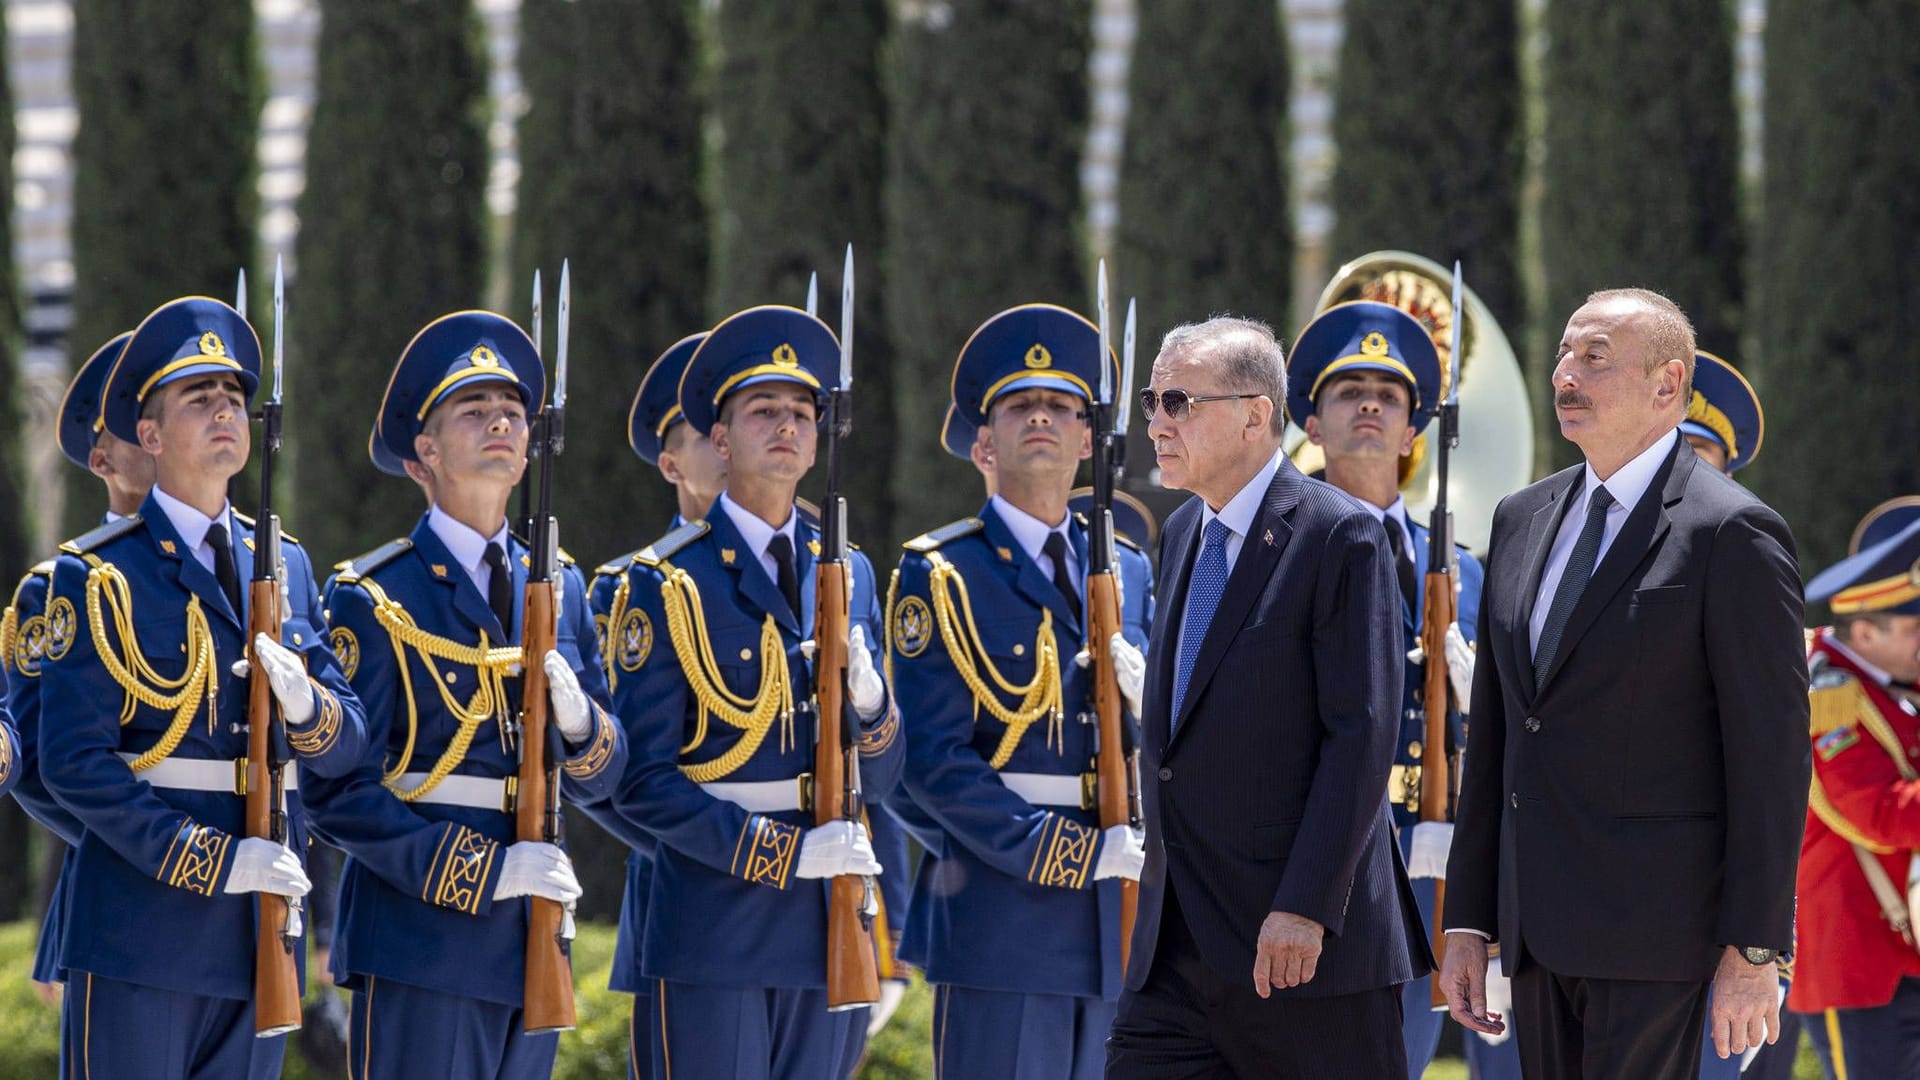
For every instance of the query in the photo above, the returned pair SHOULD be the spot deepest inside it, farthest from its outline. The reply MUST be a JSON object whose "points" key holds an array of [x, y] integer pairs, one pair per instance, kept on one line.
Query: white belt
{"points": [[1042, 789], [203, 774], [473, 792], [761, 796]]}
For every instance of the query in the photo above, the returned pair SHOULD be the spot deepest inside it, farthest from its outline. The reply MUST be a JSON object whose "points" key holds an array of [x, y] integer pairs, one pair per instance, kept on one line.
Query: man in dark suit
{"points": [[1269, 719], [1636, 774]]}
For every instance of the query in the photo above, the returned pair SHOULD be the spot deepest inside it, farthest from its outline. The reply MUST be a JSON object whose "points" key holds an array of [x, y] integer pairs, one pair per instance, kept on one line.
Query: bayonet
{"points": [[240, 294], [846, 322], [813, 293], [1123, 408]]}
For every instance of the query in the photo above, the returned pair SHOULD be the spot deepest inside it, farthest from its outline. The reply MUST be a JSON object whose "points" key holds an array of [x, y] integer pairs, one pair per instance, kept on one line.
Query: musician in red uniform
{"points": [[1857, 978]]}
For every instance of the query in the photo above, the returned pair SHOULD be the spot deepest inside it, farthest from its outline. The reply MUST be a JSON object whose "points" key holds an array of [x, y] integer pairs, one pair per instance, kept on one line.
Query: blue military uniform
{"points": [[712, 683], [1020, 941], [143, 727], [436, 965], [1371, 336]]}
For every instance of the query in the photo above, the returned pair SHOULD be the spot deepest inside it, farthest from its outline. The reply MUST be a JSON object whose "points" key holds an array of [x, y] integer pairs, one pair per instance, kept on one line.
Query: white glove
{"points": [[891, 991], [863, 683], [1123, 851], [1129, 669], [836, 848], [570, 712], [1460, 656], [262, 865], [1427, 856], [1499, 1000], [286, 674], [534, 868]]}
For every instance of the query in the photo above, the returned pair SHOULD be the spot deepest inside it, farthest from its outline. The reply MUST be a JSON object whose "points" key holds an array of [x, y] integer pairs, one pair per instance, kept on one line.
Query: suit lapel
{"points": [[1027, 578], [1259, 553], [750, 578], [442, 567], [1178, 548], [1540, 533], [195, 578], [1643, 531]]}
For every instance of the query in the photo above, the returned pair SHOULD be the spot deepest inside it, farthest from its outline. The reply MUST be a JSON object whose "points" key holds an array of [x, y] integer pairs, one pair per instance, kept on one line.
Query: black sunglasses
{"points": [[1179, 403]]}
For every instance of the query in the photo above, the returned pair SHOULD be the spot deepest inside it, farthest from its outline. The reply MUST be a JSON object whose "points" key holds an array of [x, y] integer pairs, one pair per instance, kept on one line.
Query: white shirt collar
{"points": [[1028, 531], [1873, 672], [757, 533], [468, 547], [1632, 480], [1239, 512], [191, 524]]}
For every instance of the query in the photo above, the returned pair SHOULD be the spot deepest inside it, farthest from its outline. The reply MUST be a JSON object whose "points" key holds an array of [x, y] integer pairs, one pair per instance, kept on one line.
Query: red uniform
{"points": [[1848, 955]]}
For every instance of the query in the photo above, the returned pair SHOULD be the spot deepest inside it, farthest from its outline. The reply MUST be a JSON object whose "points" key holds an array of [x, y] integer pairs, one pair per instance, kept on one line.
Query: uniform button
{"points": [[1019, 650], [1413, 749], [1514, 800], [1533, 723], [746, 654], [1165, 774], [450, 677]]}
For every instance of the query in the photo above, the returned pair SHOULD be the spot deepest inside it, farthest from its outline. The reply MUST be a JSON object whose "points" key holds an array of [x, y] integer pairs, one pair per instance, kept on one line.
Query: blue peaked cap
{"points": [[463, 349], [656, 405], [80, 424], [195, 335]]}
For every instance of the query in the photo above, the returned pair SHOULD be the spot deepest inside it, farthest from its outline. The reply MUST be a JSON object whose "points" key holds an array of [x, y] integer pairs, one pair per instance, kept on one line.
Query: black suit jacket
{"points": [[1270, 793], [1644, 808]]}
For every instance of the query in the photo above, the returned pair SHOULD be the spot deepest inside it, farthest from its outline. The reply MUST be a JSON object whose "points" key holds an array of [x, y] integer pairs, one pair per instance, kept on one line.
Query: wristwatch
{"points": [[1757, 956]]}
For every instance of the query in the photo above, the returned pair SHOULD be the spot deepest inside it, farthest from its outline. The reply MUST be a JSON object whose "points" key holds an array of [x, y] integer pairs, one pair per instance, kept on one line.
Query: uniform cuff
{"points": [[765, 851], [464, 871], [197, 860]]}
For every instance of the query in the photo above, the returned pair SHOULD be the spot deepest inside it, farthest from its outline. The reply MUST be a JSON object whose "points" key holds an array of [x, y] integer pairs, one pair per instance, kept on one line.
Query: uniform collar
{"points": [[191, 524], [463, 541], [1239, 512], [1832, 641], [1028, 531], [755, 533]]}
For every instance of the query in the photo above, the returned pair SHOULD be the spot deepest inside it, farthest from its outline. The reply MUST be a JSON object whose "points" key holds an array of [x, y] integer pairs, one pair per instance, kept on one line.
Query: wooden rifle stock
{"points": [[548, 1004], [1114, 765], [853, 967], [276, 976], [1436, 768]]}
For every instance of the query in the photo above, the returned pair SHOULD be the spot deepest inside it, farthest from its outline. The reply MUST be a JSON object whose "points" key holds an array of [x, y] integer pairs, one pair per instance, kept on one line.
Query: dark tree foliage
{"points": [[982, 207], [1837, 284], [800, 158], [1425, 128], [1642, 149], [164, 203], [390, 238], [17, 895]]}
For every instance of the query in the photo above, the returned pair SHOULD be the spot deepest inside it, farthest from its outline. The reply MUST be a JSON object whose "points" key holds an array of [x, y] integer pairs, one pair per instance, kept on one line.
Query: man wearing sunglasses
{"points": [[1276, 924]]}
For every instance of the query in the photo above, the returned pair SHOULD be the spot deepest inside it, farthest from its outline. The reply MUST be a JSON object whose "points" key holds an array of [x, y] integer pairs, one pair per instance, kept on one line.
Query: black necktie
{"points": [[1056, 549], [224, 570], [1403, 563], [781, 549], [1573, 582], [500, 587]]}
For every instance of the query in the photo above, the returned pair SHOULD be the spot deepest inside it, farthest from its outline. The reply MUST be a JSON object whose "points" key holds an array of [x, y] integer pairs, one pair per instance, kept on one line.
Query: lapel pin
{"points": [[166, 546], [439, 570], [1268, 538], [1005, 555], [726, 556]]}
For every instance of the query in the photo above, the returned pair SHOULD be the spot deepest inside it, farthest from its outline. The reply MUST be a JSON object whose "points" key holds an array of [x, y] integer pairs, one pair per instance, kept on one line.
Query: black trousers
{"points": [[1572, 1028], [1190, 1023]]}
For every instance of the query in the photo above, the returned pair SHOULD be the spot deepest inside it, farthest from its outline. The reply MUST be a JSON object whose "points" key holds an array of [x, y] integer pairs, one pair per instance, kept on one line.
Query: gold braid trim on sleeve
{"points": [[687, 626], [108, 595], [491, 664], [1040, 697], [616, 613]]}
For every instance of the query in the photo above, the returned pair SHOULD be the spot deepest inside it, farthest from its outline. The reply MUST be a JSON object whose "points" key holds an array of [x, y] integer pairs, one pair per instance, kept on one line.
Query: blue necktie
{"points": [[1204, 589], [1573, 582]]}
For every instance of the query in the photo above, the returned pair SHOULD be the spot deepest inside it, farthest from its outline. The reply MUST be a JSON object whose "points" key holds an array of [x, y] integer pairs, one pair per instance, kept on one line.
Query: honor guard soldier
{"points": [[1015, 915], [127, 472], [710, 632], [661, 437], [1724, 424], [1856, 980], [1364, 381], [144, 733], [432, 925]]}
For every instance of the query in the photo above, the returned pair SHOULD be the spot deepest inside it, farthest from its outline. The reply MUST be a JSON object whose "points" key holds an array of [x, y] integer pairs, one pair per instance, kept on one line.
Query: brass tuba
{"points": [[1495, 456]]}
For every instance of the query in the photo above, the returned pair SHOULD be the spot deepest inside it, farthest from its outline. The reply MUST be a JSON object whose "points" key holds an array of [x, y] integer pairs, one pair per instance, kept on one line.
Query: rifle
{"points": [[1439, 610], [1115, 757], [277, 924], [853, 969], [548, 990]]}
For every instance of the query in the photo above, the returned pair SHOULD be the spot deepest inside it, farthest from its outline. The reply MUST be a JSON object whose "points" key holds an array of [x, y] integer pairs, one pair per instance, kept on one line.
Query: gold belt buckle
{"points": [[805, 780], [1089, 791], [240, 777]]}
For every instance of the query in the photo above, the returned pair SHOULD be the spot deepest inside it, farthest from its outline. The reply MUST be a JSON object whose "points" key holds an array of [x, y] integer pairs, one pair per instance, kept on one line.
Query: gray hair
{"points": [[1669, 331], [1244, 351]]}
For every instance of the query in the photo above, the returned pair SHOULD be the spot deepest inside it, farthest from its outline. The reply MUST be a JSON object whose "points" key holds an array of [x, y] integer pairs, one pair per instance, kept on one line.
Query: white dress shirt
{"points": [[1626, 486], [1238, 515], [1031, 534], [758, 534], [468, 547], [192, 525]]}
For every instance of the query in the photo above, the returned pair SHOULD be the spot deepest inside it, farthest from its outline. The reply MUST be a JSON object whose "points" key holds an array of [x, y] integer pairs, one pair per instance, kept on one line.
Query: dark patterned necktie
{"points": [[1573, 582], [224, 569], [500, 587]]}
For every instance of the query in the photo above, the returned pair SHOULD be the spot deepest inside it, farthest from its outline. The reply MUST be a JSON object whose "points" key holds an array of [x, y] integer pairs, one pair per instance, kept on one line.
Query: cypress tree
{"points": [[16, 513], [390, 237], [1425, 129], [798, 175], [1837, 300], [164, 203], [1642, 150], [609, 152], [982, 206]]}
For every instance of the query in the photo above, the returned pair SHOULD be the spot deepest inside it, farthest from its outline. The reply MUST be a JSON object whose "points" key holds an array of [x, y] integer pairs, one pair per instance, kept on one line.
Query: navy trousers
{"points": [[1018, 1036], [1881, 1043], [122, 1031], [400, 1032], [726, 1033], [640, 1038]]}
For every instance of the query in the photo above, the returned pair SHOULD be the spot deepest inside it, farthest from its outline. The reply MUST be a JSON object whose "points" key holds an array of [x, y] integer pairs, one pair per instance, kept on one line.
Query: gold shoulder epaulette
{"points": [[671, 544], [928, 541], [361, 565], [97, 538], [1834, 699], [285, 536]]}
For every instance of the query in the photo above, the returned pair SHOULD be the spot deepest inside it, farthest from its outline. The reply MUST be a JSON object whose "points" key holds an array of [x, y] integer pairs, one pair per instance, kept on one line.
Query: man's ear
{"points": [[721, 444], [1673, 375], [425, 449], [100, 463], [1312, 428], [669, 467], [1407, 441], [148, 432], [1258, 417]]}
